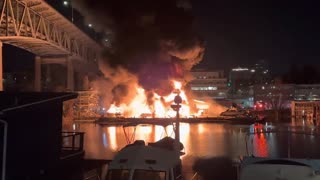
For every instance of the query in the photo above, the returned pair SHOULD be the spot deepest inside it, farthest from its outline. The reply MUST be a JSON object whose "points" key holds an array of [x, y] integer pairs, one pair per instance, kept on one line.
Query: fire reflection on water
{"points": [[199, 140], [148, 133], [260, 145], [201, 129], [112, 138]]}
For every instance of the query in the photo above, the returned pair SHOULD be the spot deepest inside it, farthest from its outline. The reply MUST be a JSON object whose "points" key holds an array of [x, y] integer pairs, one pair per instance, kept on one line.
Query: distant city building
{"points": [[280, 96], [239, 82], [240, 79], [261, 73], [273, 96], [209, 84], [307, 92]]}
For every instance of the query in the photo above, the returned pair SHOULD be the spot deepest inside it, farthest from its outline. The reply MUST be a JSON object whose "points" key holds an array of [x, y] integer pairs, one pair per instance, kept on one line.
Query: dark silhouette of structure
{"points": [[36, 147]]}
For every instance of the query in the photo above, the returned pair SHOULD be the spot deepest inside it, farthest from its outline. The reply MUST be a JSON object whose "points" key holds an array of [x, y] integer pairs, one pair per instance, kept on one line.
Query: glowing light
{"points": [[177, 85], [160, 106], [144, 133], [65, 3], [240, 69], [90, 25]]}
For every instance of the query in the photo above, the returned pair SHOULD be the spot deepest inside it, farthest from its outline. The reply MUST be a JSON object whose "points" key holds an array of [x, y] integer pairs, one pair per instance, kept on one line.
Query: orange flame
{"points": [[138, 107]]}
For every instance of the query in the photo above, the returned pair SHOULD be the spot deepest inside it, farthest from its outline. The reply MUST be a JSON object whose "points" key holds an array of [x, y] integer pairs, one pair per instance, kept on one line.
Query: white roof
{"points": [[145, 157]]}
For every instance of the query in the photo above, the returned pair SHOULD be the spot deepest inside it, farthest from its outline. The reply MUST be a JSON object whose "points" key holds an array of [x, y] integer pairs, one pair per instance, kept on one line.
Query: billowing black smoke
{"points": [[154, 40]]}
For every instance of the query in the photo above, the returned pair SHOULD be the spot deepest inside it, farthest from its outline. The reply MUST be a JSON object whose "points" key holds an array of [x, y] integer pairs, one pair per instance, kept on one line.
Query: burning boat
{"points": [[159, 106]]}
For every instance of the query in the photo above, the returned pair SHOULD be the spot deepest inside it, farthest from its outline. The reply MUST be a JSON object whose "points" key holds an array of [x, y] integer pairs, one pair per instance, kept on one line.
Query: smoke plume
{"points": [[146, 32], [152, 42]]}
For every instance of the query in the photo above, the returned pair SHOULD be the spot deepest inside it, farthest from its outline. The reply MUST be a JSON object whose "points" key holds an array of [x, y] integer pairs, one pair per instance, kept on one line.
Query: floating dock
{"points": [[166, 121]]}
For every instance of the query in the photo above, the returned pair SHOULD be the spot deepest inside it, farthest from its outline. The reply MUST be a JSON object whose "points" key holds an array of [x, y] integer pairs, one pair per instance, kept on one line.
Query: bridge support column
{"points": [[70, 80], [1, 68], [37, 74]]}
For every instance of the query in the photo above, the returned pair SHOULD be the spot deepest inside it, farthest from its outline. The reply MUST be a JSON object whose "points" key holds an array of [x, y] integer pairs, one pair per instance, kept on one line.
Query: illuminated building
{"points": [[273, 96], [305, 112], [261, 73], [307, 92], [239, 82], [209, 84], [281, 95], [242, 81]]}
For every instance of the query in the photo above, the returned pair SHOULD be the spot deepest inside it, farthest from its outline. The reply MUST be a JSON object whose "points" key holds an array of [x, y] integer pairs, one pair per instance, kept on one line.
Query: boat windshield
{"points": [[140, 174], [119, 174]]}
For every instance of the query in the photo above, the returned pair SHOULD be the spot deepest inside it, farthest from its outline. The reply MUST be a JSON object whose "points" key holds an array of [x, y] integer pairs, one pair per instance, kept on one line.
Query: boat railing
{"points": [[72, 143]]}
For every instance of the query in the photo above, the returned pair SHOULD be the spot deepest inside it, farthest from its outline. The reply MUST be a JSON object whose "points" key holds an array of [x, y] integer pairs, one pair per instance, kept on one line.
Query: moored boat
{"points": [[270, 168], [253, 168], [137, 161]]}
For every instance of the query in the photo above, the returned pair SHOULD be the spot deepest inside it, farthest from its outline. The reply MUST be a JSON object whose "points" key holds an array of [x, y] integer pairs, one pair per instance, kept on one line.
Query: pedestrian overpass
{"points": [[35, 26]]}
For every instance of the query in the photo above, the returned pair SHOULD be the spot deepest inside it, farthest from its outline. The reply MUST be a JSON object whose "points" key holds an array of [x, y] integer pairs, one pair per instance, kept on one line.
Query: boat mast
{"points": [[176, 107]]}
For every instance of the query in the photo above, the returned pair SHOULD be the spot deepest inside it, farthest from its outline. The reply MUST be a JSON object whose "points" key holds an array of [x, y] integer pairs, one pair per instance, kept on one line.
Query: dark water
{"points": [[209, 140]]}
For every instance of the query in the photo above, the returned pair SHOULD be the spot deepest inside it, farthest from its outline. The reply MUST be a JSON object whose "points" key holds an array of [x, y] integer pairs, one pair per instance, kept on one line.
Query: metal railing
{"points": [[72, 141]]}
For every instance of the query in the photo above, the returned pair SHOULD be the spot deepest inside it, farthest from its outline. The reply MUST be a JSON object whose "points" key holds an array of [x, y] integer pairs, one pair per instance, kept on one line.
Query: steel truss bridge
{"points": [[35, 26]]}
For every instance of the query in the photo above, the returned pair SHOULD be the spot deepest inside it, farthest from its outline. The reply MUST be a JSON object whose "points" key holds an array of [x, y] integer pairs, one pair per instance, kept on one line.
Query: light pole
{"points": [[67, 3]]}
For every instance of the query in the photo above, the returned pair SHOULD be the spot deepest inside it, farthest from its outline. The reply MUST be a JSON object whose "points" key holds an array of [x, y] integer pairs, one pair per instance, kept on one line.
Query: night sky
{"points": [[239, 33]]}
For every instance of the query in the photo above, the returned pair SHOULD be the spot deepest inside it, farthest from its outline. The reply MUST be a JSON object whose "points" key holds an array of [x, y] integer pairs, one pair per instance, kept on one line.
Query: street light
{"points": [[66, 3]]}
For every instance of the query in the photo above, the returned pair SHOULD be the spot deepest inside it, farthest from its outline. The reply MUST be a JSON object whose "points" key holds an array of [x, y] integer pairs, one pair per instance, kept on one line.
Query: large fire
{"points": [[160, 107]]}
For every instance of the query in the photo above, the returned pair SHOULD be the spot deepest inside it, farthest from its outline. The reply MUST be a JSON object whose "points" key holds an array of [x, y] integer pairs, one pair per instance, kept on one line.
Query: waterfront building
{"points": [[305, 112], [211, 84]]}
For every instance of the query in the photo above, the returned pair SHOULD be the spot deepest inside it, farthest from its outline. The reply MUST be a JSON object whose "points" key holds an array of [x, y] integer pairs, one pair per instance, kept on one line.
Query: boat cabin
{"points": [[138, 161]]}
